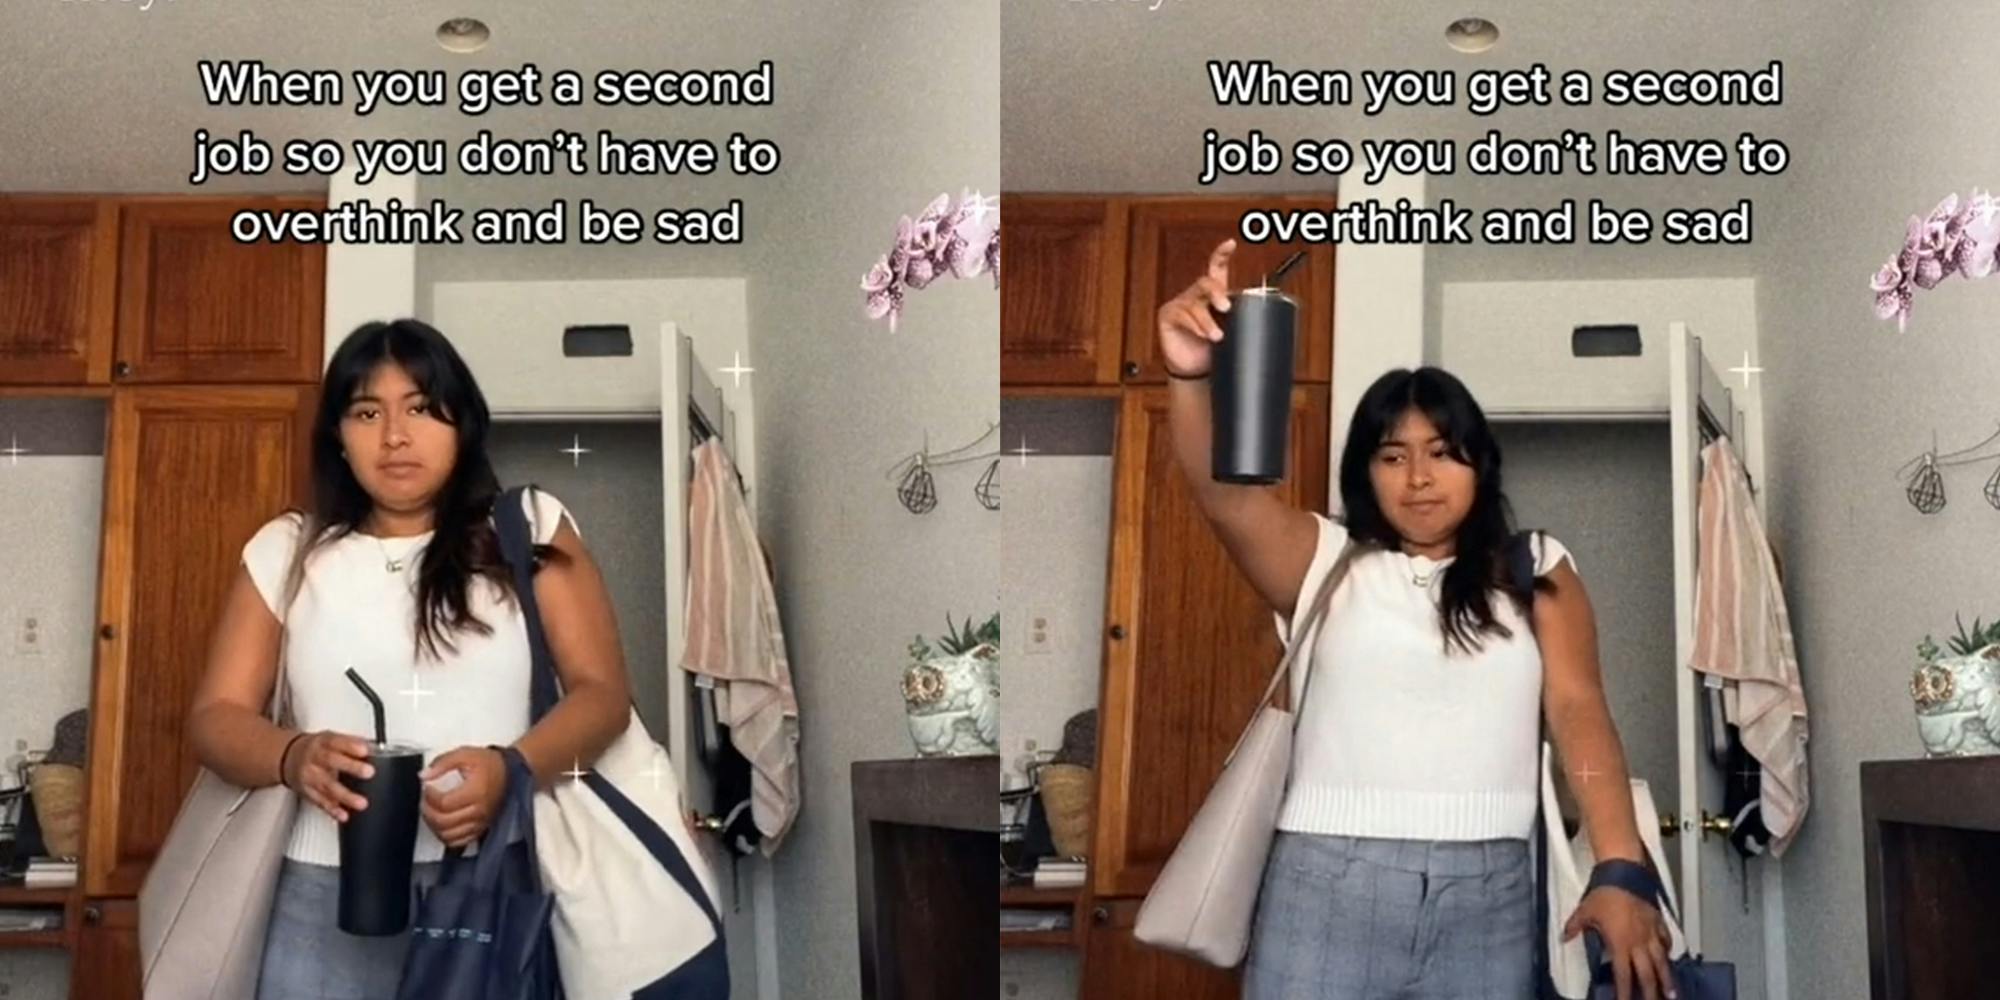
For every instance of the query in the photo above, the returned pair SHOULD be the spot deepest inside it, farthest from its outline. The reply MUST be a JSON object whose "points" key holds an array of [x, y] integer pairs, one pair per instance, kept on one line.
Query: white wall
{"points": [[368, 282], [1378, 311], [1510, 342], [510, 333], [913, 113], [1850, 399]]}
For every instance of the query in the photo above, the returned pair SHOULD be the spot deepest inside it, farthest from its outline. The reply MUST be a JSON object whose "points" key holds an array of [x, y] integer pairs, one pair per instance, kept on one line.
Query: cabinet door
{"points": [[1171, 241], [197, 306], [190, 474], [1063, 296], [58, 290], [1117, 967], [105, 965], [1189, 644]]}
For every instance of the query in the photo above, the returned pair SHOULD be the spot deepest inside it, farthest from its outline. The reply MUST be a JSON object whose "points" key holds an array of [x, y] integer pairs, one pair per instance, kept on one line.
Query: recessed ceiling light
{"points": [[463, 34], [1471, 34]]}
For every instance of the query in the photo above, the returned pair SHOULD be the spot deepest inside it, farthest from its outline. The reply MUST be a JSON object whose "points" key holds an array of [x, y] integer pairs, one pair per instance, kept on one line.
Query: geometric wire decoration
{"points": [[918, 491], [1926, 489], [988, 491], [1993, 489]]}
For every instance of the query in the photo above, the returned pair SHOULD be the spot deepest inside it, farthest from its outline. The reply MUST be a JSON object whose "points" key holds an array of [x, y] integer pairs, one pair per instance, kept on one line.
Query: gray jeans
{"points": [[1350, 918], [306, 954]]}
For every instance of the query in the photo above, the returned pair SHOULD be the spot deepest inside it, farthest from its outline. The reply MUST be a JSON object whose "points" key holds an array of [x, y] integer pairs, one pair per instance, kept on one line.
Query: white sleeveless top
{"points": [[1397, 739], [352, 610]]}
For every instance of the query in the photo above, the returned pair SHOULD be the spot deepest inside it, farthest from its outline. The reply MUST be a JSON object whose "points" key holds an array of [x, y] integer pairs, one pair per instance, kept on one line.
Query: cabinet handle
{"points": [[123, 369], [1131, 369], [93, 915], [107, 631], [1117, 631], [1100, 915]]}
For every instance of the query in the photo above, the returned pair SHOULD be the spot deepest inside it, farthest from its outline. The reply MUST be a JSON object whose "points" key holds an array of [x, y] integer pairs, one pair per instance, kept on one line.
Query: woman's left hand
{"points": [[461, 815], [1635, 940]]}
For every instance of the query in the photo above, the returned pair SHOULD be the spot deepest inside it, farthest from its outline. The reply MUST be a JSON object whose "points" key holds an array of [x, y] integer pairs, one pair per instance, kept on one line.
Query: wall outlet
{"points": [[1038, 635], [30, 632]]}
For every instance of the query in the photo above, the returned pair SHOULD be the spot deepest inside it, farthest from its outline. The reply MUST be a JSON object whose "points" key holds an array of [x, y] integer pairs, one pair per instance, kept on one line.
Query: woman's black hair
{"points": [[1465, 608], [464, 546]]}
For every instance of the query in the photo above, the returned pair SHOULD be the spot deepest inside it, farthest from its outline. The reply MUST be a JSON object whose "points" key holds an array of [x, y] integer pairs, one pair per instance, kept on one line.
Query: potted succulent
{"points": [[1958, 695], [952, 692]]}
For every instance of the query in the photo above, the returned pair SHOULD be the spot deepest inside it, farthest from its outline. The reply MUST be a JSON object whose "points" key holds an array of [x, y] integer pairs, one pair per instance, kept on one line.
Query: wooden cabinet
{"points": [[1171, 242], [155, 290], [1116, 965], [197, 306], [1062, 298], [1189, 646], [190, 474], [1086, 274], [58, 290], [105, 964]]}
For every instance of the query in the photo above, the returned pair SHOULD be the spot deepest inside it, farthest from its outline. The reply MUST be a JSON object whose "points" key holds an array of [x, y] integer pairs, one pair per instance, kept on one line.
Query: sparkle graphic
{"points": [[980, 207], [737, 371], [575, 770], [1024, 451], [13, 451], [1749, 774], [575, 451], [1746, 370], [654, 773], [1587, 773], [416, 691]]}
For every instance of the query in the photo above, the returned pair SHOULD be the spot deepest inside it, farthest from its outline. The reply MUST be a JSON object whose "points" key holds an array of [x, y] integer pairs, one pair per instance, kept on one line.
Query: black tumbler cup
{"points": [[1252, 387], [377, 844]]}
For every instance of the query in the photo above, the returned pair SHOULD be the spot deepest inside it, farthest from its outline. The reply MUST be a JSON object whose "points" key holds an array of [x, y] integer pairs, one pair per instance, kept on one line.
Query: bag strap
{"points": [[1521, 575], [1301, 633], [510, 523], [280, 705]]}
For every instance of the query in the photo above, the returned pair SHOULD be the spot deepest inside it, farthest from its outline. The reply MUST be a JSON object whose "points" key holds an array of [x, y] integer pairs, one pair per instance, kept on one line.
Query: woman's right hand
{"points": [[314, 767], [1188, 331]]}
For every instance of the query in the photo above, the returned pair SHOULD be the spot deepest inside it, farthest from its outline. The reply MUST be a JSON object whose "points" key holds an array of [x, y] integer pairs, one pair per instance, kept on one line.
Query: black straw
{"points": [[1278, 276], [381, 727]]}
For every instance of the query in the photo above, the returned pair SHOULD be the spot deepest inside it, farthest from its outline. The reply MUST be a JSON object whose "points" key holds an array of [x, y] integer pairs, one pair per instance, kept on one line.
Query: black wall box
{"points": [[603, 341], [1619, 340]]}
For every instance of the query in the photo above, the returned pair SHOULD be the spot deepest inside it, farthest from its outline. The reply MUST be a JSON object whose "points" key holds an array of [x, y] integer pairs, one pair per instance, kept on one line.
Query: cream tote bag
{"points": [[1204, 901]]}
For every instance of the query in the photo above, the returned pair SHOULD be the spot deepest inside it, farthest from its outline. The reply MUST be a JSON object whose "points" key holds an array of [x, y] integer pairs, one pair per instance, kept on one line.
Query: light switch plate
{"points": [[1038, 636]]}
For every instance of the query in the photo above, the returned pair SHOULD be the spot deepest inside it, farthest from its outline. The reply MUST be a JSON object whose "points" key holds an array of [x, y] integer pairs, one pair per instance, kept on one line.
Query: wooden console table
{"points": [[926, 865], [1931, 836]]}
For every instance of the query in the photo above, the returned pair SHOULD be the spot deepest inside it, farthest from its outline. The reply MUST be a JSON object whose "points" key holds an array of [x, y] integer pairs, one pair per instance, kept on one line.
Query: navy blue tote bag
{"points": [[482, 932]]}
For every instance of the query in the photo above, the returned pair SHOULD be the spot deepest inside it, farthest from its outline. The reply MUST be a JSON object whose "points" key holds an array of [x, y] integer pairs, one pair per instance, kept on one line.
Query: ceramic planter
{"points": [[954, 703], [1958, 704]]}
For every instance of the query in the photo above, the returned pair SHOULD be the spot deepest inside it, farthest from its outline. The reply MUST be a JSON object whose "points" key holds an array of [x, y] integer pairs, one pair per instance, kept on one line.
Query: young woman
{"points": [[1402, 866], [404, 583]]}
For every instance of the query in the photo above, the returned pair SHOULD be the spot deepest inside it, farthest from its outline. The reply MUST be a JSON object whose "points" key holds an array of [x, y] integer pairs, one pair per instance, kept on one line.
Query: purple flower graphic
{"points": [[945, 240], [1952, 239]]}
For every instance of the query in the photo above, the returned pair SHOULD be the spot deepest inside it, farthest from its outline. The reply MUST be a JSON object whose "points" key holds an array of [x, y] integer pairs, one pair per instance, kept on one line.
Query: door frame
{"points": [[687, 388], [1699, 400]]}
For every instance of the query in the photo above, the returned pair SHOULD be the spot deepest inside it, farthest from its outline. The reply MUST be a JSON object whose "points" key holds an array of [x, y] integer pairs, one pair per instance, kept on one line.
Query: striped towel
{"points": [[1743, 634], [734, 636]]}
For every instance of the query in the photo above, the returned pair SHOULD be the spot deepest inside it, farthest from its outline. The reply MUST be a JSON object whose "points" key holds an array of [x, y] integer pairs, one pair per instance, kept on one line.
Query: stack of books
{"points": [[49, 873], [1060, 873]]}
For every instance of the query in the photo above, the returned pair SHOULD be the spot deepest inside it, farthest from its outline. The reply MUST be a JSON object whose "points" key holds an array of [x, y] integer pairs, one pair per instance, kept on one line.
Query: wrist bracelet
{"points": [[1630, 876], [1184, 378], [286, 755]]}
